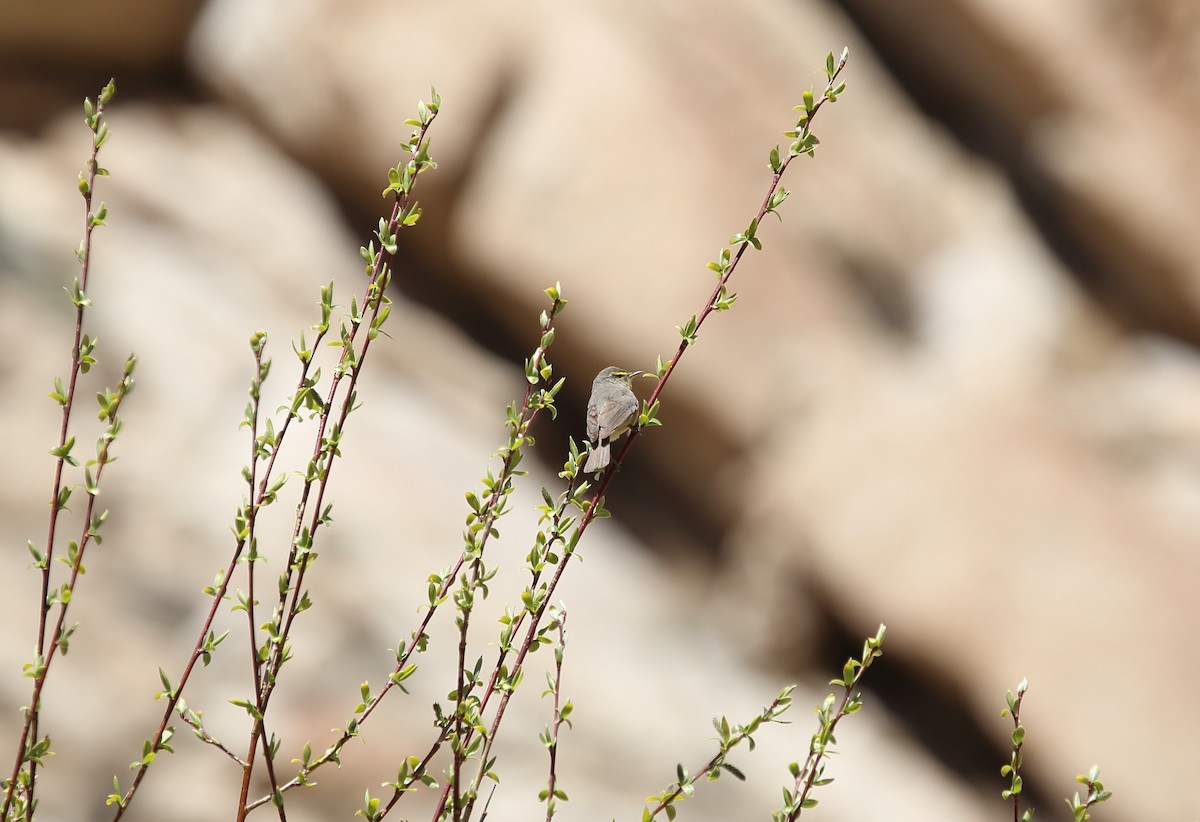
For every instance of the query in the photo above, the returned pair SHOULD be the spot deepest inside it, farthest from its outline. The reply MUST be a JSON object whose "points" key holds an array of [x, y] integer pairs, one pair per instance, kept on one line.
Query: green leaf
{"points": [[59, 395], [63, 451], [688, 330]]}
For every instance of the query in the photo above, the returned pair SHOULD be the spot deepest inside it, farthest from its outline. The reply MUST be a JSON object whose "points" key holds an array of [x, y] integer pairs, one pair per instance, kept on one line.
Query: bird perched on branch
{"points": [[610, 413]]}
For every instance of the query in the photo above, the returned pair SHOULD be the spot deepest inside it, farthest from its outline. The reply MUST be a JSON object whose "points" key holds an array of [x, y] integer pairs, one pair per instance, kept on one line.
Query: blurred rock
{"points": [[53, 54], [954, 395], [126, 33], [1091, 109]]}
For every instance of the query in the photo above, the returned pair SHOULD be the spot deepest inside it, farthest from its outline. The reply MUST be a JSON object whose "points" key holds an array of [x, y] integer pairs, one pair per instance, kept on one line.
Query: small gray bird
{"points": [[611, 411]]}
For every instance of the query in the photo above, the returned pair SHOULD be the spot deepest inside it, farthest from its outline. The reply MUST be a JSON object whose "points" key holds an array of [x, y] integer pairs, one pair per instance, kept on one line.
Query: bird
{"points": [[611, 411]]}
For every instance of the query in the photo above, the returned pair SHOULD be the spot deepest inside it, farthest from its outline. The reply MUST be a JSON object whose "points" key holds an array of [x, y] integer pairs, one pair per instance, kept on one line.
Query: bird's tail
{"points": [[598, 459]]}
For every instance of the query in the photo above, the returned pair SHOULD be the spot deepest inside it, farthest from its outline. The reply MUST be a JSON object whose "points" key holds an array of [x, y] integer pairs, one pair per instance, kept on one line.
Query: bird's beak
{"points": [[633, 374]]}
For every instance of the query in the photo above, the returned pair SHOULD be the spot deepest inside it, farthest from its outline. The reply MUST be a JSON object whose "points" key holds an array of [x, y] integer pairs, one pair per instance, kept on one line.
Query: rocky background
{"points": [[958, 395]]}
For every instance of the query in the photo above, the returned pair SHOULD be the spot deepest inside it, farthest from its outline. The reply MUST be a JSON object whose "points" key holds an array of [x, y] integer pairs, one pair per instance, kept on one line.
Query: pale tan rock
{"points": [[943, 420]]}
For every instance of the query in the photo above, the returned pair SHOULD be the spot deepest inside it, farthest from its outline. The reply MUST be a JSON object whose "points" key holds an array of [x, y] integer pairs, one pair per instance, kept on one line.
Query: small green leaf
{"points": [[59, 395]]}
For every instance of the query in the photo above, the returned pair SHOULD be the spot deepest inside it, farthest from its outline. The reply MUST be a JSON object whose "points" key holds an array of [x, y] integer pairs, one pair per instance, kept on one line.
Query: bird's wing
{"points": [[593, 423], [612, 416]]}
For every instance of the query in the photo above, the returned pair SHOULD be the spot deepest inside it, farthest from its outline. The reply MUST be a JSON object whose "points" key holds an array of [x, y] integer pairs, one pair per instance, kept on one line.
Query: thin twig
{"points": [[45, 654]]}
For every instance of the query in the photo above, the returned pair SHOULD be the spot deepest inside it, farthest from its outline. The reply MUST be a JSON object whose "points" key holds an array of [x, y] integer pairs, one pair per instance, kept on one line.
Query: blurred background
{"points": [[958, 393]]}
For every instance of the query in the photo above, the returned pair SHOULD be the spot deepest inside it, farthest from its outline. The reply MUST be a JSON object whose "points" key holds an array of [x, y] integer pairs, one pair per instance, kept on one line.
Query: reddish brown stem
{"points": [[29, 729]]}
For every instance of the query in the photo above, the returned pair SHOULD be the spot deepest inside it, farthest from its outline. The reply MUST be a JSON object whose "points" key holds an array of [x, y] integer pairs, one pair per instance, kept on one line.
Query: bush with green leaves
{"points": [[456, 762]]}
